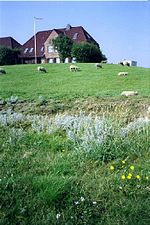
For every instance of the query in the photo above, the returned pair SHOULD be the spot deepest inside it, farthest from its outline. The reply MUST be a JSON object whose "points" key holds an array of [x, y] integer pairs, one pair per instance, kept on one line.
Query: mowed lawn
{"points": [[59, 83]]}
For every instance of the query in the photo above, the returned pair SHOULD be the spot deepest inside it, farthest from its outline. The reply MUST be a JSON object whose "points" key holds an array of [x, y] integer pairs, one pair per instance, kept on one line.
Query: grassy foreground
{"points": [[80, 153]]}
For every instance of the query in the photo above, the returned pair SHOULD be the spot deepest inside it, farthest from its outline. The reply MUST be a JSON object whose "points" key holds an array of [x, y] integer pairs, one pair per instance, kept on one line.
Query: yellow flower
{"points": [[132, 167], [123, 162], [130, 175], [112, 168], [138, 177], [123, 177]]}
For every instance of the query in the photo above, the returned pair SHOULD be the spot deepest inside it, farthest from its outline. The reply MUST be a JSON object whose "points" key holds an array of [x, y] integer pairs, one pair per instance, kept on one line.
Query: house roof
{"points": [[9, 42], [77, 34]]}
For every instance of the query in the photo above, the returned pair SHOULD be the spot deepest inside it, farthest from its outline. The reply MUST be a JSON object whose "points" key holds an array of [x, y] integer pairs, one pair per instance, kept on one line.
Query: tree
{"points": [[86, 52], [16, 52], [63, 44], [8, 56]]}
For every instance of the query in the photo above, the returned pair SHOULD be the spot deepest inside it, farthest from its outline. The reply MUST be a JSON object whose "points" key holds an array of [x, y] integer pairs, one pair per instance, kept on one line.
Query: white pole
{"points": [[35, 42], [35, 51]]}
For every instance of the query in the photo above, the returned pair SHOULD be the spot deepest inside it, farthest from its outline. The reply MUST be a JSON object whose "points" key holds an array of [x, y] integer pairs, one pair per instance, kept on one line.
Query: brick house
{"points": [[9, 42], [45, 52]]}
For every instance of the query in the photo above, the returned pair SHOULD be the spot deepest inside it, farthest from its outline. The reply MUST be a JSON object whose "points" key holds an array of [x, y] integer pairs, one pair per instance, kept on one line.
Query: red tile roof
{"points": [[9, 42], [41, 37], [81, 36]]}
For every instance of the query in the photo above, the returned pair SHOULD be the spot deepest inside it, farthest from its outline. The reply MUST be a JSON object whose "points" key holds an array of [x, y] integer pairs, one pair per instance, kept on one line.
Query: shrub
{"points": [[8, 56], [85, 52]]}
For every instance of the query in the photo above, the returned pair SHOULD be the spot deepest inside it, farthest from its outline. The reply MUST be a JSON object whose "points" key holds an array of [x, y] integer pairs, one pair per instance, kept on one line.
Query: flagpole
{"points": [[35, 41], [35, 51]]}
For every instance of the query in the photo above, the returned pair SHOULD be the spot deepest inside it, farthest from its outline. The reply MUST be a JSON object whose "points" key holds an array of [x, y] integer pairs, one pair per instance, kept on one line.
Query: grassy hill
{"points": [[72, 150], [25, 82]]}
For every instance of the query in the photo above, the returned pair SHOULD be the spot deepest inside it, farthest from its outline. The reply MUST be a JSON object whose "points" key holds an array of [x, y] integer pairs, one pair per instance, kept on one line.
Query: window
{"points": [[75, 36], [55, 50], [42, 49], [31, 50], [50, 49], [25, 51], [88, 36]]}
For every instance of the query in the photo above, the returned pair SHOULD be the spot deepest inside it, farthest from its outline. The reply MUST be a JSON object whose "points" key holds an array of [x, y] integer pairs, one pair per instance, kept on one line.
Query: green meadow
{"points": [[73, 151], [59, 83]]}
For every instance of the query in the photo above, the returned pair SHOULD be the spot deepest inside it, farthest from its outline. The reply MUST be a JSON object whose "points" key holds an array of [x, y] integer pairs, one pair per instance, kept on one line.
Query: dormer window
{"points": [[31, 50], [42, 49], [88, 36], [25, 51], [75, 36]]}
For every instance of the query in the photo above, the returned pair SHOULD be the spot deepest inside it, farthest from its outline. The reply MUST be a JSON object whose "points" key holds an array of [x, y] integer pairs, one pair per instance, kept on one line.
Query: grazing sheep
{"points": [[74, 68], [41, 69], [2, 71], [124, 63], [121, 63], [98, 65], [104, 61], [127, 64], [129, 93], [123, 74]]}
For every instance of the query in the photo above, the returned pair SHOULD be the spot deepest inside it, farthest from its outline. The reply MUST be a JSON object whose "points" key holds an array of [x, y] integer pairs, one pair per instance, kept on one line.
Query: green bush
{"points": [[85, 52], [8, 56]]}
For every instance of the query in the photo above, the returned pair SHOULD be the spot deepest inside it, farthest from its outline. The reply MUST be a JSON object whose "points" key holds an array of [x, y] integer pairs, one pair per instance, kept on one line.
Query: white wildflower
{"points": [[76, 203], [82, 199], [58, 215], [94, 203]]}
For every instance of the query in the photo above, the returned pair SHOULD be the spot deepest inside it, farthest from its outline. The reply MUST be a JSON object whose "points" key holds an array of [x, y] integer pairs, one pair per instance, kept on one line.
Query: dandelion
{"points": [[138, 177], [132, 167], [123, 162], [112, 167], [123, 177], [129, 176]]}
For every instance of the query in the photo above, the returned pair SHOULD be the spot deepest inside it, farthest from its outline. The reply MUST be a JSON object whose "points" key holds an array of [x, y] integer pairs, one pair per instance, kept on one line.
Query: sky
{"points": [[122, 28]]}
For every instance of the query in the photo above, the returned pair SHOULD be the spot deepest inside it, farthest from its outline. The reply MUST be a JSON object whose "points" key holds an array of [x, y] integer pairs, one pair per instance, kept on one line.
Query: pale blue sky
{"points": [[122, 28]]}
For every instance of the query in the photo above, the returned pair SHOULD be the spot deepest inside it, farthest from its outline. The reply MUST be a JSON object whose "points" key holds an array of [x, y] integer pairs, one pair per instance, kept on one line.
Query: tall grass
{"points": [[52, 178], [72, 151]]}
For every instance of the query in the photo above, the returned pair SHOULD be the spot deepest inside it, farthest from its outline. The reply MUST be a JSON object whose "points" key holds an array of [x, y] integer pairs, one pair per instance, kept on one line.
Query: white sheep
{"points": [[74, 68], [2, 71], [123, 74], [124, 63], [129, 93], [98, 65], [41, 69], [104, 61]]}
